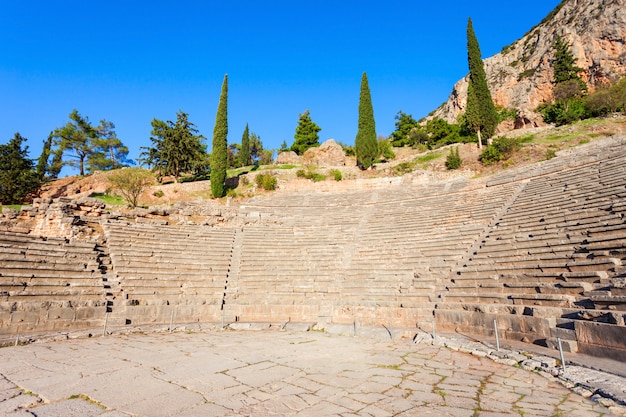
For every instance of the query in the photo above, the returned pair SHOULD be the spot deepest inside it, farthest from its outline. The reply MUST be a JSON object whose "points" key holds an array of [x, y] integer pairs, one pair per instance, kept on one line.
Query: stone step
{"points": [[609, 302]]}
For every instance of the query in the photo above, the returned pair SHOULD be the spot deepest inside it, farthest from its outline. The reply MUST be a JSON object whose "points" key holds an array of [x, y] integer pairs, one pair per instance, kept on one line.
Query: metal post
{"points": [[558, 339], [495, 327], [354, 327], [171, 320], [391, 328], [17, 339], [106, 321]]}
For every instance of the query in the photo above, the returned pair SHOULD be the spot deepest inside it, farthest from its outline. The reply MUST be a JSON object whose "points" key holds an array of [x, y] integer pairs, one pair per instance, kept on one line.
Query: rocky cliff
{"points": [[520, 77]]}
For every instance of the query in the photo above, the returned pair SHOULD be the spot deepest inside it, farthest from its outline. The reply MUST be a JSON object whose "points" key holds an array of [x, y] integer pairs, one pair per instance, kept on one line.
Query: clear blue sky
{"points": [[131, 61]]}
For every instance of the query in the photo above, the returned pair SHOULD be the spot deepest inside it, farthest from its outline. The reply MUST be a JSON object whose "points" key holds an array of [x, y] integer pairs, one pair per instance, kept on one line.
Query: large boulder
{"points": [[328, 154], [289, 157]]}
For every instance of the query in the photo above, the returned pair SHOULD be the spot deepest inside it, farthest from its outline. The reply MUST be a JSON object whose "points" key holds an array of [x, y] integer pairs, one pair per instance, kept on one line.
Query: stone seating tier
{"points": [[541, 250], [49, 283]]}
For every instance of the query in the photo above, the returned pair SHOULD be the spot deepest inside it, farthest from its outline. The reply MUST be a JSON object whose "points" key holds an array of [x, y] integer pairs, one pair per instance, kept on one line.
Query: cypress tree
{"points": [[244, 152], [366, 145], [481, 114], [219, 154]]}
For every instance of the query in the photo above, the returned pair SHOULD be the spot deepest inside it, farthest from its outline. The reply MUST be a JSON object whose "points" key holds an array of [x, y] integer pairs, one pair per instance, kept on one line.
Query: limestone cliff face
{"points": [[520, 76]]}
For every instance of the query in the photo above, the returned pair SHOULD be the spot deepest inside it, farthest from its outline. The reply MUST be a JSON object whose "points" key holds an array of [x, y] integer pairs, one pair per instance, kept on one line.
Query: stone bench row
{"points": [[549, 215]]}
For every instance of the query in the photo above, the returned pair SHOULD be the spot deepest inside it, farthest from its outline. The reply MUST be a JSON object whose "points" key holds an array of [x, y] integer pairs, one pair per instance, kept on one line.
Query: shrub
{"points": [[130, 183], [385, 149], [310, 174], [158, 193], [266, 181], [562, 113], [316, 177], [490, 155], [453, 160], [232, 193], [336, 174], [550, 153], [500, 149]]}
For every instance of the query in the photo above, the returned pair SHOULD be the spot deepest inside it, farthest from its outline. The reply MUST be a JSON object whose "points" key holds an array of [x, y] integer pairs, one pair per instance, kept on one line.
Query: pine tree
{"points": [[18, 179], [564, 62], [177, 147], [283, 147], [306, 134], [76, 137], [366, 144], [108, 150], [567, 82], [244, 152], [43, 164], [481, 114], [219, 154]]}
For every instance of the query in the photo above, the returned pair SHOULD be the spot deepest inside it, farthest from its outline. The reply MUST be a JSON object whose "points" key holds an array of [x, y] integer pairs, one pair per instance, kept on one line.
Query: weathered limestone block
{"points": [[600, 339], [9, 213], [328, 154], [289, 157]]}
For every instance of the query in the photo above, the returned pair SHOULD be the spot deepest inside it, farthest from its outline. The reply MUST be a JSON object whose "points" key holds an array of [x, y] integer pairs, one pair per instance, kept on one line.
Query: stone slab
{"points": [[269, 372]]}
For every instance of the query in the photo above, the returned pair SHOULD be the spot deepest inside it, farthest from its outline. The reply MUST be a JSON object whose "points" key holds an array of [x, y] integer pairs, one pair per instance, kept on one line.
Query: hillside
{"points": [[520, 77], [409, 163]]}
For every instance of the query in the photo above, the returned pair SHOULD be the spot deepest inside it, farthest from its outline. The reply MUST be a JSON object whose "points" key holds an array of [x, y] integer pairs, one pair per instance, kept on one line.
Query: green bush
{"points": [[310, 174], [453, 160], [500, 149], [316, 177], [385, 149], [562, 113], [490, 155], [266, 181], [158, 193], [336, 174], [550, 153]]}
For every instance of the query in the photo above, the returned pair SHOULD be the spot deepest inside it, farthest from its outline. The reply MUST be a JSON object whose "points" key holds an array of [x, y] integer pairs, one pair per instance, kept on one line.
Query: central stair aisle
{"points": [[228, 308]]}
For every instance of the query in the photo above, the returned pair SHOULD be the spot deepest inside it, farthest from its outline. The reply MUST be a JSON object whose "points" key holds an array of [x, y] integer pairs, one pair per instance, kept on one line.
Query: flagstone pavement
{"points": [[270, 373]]}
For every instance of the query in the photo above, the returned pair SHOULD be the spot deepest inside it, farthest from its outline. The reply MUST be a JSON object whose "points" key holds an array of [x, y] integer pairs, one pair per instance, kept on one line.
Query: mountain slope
{"points": [[520, 77]]}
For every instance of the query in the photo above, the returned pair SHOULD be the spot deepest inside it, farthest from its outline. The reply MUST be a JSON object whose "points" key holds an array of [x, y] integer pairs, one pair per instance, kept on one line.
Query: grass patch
{"points": [[431, 156], [236, 172], [394, 367], [89, 400], [11, 206], [284, 166], [310, 174], [419, 162], [112, 200]]}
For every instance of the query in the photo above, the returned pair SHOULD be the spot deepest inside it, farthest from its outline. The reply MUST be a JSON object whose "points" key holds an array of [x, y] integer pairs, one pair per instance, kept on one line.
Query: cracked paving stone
{"points": [[235, 373]]}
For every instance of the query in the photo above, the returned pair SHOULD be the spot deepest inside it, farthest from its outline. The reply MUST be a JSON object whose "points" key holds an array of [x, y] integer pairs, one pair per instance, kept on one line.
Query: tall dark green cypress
{"points": [[480, 114], [366, 145], [219, 153], [244, 152]]}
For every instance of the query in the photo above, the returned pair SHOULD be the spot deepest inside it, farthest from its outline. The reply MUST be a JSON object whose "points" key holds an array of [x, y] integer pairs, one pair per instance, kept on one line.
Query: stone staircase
{"points": [[231, 287], [111, 282]]}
